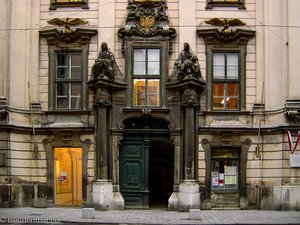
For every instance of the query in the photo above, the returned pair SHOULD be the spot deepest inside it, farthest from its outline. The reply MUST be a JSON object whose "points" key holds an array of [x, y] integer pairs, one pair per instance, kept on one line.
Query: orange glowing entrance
{"points": [[68, 176]]}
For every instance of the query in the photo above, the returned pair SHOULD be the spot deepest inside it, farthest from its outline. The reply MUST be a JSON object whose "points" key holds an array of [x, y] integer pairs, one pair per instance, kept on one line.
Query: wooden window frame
{"points": [[215, 3], [68, 80], [54, 4], [241, 50], [236, 157], [147, 77], [226, 81], [53, 50], [136, 43]]}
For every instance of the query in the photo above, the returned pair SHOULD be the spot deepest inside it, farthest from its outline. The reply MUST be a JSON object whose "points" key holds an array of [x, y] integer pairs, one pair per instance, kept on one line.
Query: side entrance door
{"points": [[134, 156], [68, 176]]}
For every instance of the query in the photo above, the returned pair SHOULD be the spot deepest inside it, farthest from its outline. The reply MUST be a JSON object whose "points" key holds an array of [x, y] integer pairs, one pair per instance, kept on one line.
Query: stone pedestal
{"points": [[104, 198], [188, 196]]}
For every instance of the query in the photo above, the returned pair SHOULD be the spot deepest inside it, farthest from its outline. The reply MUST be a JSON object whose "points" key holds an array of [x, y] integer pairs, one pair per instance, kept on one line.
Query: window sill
{"points": [[226, 113]]}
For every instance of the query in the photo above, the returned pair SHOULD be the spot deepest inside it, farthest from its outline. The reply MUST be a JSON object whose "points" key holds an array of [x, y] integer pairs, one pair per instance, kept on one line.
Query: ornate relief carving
{"points": [[87, 142], [225, 35], [162, 114], [67, 23], [247, 142], [67, 35], [205, 143], [102, 102], [225, 23], [147, 18], [292, 110]]}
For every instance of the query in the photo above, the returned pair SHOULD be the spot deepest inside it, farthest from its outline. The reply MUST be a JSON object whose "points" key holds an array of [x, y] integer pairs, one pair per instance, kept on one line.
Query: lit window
{"points": [[68, 3], [225, 169], [225, 3], [68, 81], [146, 77], [225, 81]]}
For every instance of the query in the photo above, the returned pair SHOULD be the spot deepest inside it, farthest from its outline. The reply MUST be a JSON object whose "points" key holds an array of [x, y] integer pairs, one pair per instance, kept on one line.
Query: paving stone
{"points": [[154, 216], [88, 213], [195, 214]]}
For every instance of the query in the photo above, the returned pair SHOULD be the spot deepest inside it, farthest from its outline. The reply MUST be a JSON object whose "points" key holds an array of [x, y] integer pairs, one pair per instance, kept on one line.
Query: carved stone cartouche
{"points": [[147, 18]]}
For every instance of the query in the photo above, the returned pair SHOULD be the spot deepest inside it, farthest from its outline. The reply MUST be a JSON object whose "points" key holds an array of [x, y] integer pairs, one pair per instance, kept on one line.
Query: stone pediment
{"points": [[147, 18]]}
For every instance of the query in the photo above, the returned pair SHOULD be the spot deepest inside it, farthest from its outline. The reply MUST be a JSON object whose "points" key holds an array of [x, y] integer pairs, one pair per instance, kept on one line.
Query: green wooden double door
{"points": [[146, 171], [134, 158]]}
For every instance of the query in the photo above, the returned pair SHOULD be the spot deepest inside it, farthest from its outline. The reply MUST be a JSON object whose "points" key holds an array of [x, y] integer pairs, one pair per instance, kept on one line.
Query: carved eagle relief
{"points": [[225, 23], [67, 22], [147, 22]]}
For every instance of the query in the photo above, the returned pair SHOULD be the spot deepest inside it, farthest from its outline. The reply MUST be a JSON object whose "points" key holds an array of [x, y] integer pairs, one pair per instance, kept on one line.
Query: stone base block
{"points": [[40, 203], [119, 202], [188, 196], [104, 198], [102, 192], [88, 213], [173, 202], [194, 214]]}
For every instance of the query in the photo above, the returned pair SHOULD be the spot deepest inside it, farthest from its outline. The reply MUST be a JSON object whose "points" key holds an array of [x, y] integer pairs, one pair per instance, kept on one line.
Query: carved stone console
{"points": [[292, 110]]}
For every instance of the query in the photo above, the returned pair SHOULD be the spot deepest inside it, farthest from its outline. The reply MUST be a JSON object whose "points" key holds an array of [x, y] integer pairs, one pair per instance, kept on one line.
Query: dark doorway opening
{"points": [[146, 163], [161, 172]]}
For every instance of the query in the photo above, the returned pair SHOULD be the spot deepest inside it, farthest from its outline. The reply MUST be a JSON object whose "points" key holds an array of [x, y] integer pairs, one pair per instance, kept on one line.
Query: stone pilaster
{"points": [[105, 193], [187, 195]]}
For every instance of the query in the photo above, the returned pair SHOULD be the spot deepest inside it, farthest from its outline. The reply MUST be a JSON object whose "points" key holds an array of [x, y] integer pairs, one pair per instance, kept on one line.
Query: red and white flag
{"points": [[291, 142]]}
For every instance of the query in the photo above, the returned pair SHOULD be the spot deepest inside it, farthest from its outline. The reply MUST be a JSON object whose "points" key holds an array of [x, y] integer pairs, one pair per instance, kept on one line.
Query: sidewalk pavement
{"points": [[151, 216]]}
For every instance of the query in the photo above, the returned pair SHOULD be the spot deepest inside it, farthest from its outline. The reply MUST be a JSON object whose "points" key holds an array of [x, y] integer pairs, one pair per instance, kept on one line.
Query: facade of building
{"points": [[133, 103]]}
